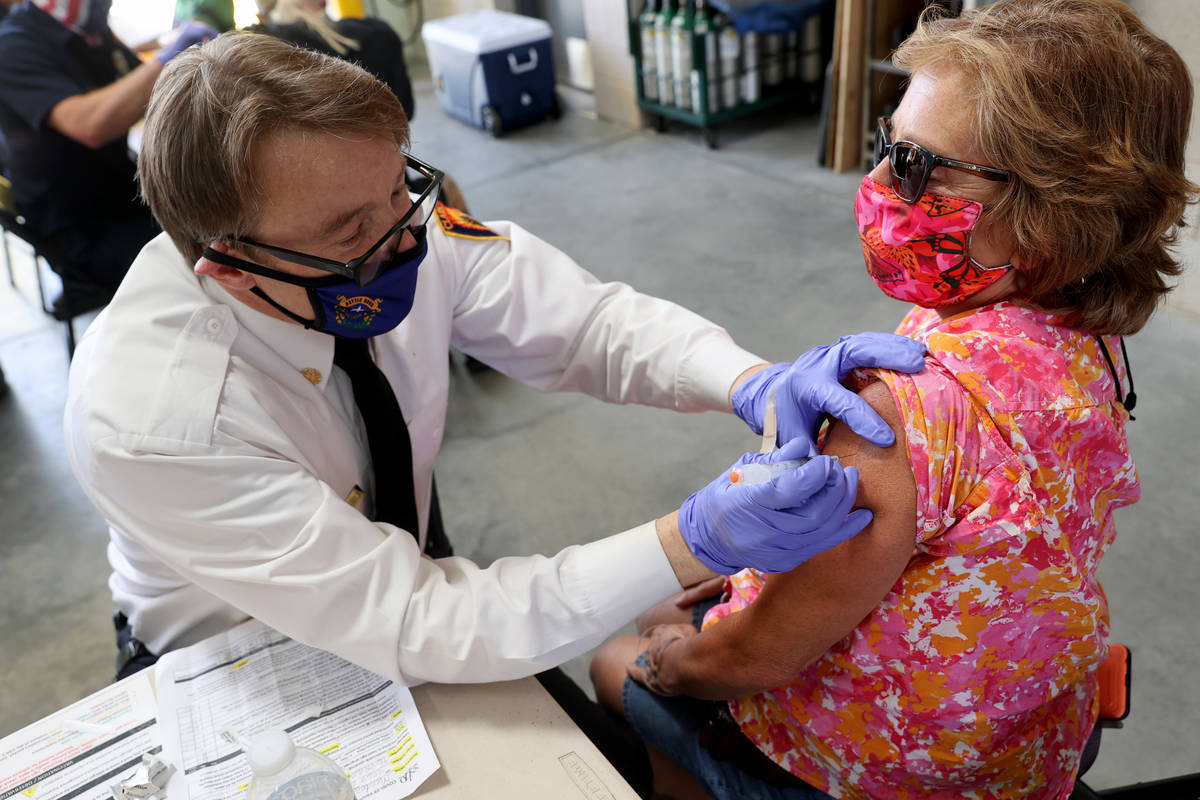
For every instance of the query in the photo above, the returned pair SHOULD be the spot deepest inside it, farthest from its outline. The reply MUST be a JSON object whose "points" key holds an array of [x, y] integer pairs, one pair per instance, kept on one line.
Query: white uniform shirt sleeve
{"points": [[273, 541]]}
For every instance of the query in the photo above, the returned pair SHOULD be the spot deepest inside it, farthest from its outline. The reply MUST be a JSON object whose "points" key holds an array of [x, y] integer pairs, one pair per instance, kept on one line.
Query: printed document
{"points": [[78, 752], [252, 679]]}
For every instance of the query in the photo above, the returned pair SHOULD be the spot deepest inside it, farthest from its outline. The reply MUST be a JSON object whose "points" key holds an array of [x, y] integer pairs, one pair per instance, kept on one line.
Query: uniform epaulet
{"points": [[461, 224]]}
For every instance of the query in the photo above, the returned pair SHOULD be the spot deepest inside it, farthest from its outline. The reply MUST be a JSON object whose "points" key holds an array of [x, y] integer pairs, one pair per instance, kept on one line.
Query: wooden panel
{"points": [[889, 15], [847, 151], [832, 89]]}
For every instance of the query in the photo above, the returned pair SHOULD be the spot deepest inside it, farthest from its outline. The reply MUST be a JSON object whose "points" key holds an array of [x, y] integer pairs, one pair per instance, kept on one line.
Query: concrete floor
{"points": [[754, 236]]}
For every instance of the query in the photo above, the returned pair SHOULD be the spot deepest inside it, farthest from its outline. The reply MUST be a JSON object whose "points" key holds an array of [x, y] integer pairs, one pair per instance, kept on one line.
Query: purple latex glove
{"points": [[777, 525], [811, 386], [186, 35]]}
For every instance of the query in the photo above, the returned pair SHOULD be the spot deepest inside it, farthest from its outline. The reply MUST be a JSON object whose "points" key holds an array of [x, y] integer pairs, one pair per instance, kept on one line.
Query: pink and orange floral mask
{"points": [[918, 252]]}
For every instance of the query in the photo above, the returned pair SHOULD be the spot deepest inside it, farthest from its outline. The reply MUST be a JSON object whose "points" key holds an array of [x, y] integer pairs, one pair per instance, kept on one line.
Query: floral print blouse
{"points": [[975, 677]]}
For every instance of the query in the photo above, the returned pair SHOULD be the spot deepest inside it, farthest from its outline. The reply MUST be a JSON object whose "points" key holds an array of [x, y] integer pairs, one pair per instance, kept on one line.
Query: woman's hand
{"points": [[697, 592], [678, 608], [657, 642]]}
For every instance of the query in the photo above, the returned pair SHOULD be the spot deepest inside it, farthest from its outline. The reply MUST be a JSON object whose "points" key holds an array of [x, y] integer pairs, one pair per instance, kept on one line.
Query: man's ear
{"points": [[230, 278]]}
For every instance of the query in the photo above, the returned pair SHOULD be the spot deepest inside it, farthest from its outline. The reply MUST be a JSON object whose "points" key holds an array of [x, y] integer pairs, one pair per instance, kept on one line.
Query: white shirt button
{"points": [[214, 326]]}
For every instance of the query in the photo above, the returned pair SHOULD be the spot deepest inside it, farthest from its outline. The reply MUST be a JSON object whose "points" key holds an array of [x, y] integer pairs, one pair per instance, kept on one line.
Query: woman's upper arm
{"points": [[801, 614]]}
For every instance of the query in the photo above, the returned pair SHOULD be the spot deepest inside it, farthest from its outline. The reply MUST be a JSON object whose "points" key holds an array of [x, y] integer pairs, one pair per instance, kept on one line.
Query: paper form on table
{"points": [[254, 678], [78, 752]]}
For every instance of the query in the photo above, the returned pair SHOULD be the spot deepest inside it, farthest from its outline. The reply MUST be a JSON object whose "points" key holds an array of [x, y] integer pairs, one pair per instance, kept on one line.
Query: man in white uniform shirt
{"points": [[209, 424]]}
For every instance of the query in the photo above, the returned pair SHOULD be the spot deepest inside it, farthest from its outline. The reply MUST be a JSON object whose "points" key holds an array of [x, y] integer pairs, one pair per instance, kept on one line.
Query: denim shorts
{"points": [[673, 725]]}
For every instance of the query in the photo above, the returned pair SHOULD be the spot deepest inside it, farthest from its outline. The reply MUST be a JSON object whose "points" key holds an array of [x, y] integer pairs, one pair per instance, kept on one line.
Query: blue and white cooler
{"points": [[492, 69]]}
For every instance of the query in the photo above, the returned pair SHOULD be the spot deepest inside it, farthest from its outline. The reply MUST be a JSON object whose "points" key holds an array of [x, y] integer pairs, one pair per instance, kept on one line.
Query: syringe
{"points": [[751, 474]]}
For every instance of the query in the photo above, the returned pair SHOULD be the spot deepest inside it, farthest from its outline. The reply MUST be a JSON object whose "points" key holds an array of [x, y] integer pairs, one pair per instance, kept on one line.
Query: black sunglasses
{"points": [[366, 267], [912, 164]]}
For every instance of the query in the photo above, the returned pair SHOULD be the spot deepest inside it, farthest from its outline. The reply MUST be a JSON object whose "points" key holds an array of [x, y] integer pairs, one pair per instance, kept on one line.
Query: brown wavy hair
{"points": [[213, 107], [1089, 111]]}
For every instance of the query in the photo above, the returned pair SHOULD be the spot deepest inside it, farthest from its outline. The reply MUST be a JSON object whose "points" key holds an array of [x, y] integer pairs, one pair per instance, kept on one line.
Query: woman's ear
{"points": [[230, 278]]}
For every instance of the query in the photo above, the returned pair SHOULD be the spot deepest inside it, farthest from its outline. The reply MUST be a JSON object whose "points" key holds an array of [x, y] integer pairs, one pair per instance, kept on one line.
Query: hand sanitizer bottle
{"points": [[283, 771]]}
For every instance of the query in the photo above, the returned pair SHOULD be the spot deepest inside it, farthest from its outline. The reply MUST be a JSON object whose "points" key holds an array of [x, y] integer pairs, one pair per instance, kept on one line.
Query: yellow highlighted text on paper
{"points": [[241, 663], [329, 748], [405, 742]]}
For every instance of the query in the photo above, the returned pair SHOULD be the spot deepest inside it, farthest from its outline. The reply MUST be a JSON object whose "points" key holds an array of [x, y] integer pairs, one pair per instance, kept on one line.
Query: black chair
{"points": [[79, 294], [1115, 684]]}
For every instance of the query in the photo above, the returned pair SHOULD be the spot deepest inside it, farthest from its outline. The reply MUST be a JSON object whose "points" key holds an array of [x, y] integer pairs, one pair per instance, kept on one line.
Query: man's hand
{"points": [[185, 36], [777, 525], [811, 386]]}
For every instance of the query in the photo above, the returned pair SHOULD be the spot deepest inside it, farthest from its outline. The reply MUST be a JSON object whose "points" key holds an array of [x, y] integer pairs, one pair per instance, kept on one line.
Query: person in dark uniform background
{"points": [[367, 41], [69, 93]]}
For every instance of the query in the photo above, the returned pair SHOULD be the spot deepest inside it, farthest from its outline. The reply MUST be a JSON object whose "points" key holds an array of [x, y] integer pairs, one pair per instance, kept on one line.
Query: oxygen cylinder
{"points": [[751, 71], [811, 68], [662, 52], [681, 55], [773, 58], [728, 48], [792, 55], [704, 31], [649, 56]]}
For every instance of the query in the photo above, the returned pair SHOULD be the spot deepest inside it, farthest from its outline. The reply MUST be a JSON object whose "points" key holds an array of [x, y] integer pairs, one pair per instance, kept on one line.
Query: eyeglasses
{"points": [[366, 267], [912, 164]]}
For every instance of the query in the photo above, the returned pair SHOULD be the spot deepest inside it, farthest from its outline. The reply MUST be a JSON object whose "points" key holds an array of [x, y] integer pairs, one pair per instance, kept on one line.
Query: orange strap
{"points": [[1114, 683]]}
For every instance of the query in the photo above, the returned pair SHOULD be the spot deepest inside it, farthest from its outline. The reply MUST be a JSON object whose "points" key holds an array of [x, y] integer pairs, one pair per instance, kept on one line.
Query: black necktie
{"points": [[387, 435]]}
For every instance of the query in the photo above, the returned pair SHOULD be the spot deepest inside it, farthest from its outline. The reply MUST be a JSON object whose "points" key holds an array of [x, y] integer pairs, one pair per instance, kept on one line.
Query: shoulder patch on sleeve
{"points": [[461, 224]]}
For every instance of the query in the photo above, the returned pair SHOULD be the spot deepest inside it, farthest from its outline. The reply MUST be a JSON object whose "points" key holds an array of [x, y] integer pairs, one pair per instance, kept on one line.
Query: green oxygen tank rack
{"points": [[803, 89]]}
